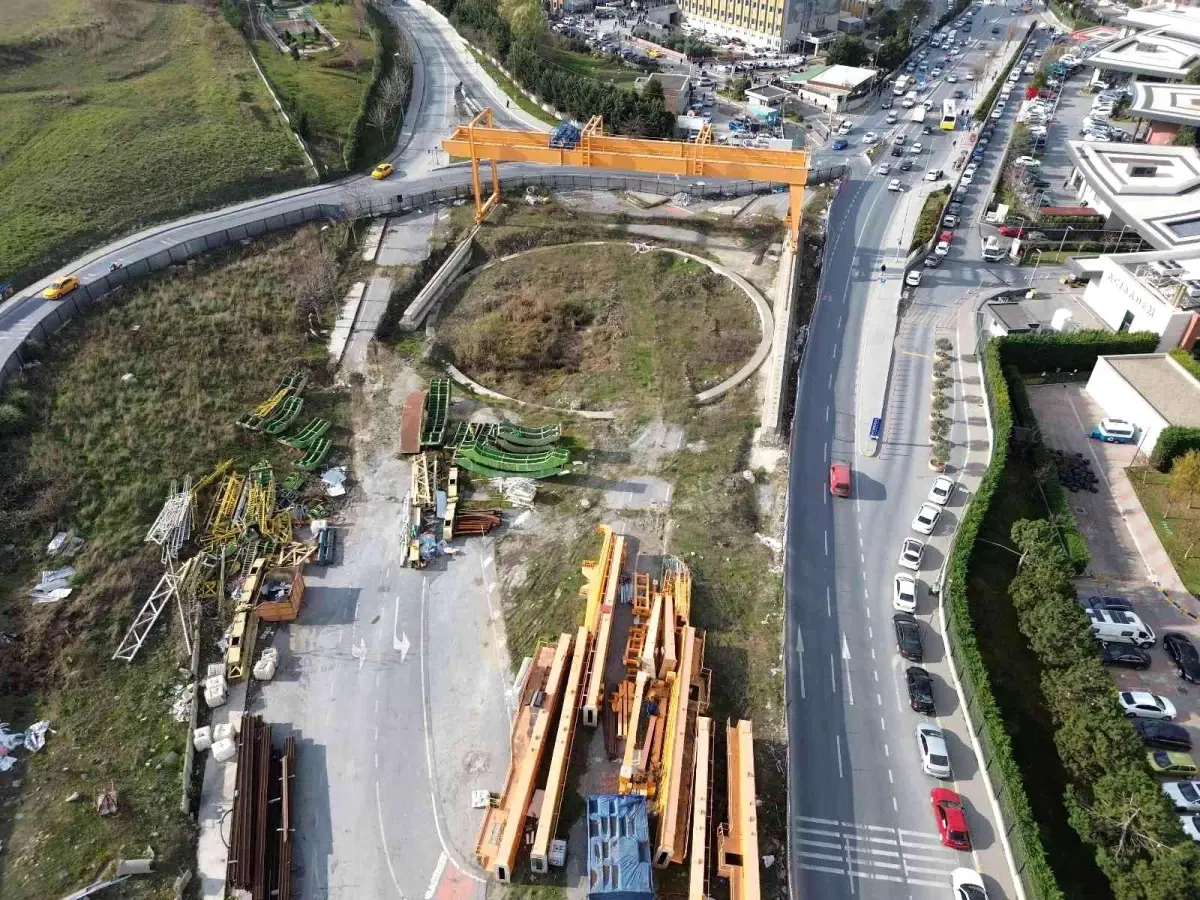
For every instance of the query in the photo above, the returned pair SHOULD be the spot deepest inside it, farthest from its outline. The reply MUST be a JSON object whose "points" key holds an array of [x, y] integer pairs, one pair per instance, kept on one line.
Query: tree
{"points": [[1185, 478], [1193, 75], [848, 50]]}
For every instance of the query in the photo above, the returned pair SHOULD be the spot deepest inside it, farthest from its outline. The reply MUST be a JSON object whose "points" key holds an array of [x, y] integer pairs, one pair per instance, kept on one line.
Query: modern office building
{"points": [[777, 25]]}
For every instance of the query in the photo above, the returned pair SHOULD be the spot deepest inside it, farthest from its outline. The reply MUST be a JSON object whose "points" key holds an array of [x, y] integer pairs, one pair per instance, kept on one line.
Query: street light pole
{"points": [[1033, 274], [1063, 241]]}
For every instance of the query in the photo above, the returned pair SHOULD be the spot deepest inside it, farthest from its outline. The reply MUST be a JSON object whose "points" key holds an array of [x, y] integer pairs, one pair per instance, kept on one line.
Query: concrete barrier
{"points": [[437, 286]]}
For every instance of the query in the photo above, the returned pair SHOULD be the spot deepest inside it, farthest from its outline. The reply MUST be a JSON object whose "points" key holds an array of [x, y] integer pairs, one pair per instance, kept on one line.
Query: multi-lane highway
{"points": [[861, 819]]}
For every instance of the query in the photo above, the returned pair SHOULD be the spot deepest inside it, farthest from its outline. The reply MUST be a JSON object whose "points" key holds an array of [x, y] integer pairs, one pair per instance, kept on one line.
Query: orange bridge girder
{"points": [[480, 140]]}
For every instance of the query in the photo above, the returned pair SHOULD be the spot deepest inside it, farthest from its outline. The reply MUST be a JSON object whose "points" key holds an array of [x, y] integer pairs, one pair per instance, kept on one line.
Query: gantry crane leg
{"points": [[795, 214]]}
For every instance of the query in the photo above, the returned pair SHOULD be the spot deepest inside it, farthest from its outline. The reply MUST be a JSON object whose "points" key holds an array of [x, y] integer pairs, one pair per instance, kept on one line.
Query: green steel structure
{"points": [[437, 413]]}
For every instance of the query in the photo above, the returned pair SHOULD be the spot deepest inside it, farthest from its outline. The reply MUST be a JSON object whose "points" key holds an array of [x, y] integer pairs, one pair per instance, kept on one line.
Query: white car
{"points": [[1028, 161], [1144, 705], [911, 552], [933, 175], [935, 73], [926, 519], [931, 744], [967, 885], [913, 278], [970, 76], [904, 593], [952, 78], [967, 178], [885, 168], [1184, 795], [941, 491], [894, 185], [1191, 827], [869, 138], [971, 169], [997, 112], [942, 248], [915, 148]]}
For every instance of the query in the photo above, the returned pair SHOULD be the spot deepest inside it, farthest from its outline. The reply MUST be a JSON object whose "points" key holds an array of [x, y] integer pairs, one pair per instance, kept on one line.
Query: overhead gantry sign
{"points": [[589, 147]]}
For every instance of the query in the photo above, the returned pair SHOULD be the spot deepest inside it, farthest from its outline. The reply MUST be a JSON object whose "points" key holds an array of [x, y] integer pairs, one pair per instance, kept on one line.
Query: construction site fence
{"points": [[87, 295]]}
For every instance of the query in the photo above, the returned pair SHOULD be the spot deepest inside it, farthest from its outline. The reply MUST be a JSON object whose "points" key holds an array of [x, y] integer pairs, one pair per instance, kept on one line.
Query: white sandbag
{"points": [[264, 669], [235, 719], [202, 738], [215, 691], [222, 732], [223, 751]]}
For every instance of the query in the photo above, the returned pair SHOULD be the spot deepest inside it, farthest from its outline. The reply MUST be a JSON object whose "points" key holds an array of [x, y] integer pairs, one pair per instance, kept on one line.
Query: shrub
{"points": [[12, 419], [1071, 351], [1173, 442], [1189, 363]]}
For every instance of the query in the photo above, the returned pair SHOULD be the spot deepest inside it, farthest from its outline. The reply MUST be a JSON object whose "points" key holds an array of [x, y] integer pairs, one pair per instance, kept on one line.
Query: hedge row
{"points": [[931, 215], [376, 24], [984, 109], [1103, 757], [1043, 466], [1036, 873], [1173, 442], [1185, 359], [1054, 351]]}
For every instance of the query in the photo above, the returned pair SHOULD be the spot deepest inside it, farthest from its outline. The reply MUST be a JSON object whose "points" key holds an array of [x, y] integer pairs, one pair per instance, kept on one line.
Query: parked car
{"points": [[950, 220], [908, 637], [931, 744], [967, 885], [1191, 827], [951, 819], [941, 491], [1185, 795], [904, 593], [1166, 762], [913, 278], [1107, 603], [1184, 654], [1163, 735], [926, 519], [1125, 656], [920, 690], [932, 261], [1145, 705]]}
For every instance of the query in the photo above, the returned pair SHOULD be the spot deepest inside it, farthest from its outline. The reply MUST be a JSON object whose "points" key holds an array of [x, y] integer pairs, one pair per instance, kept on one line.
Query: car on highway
{"points": [[926, 519], [920, 690], [382, 171], [869, 138], [915, 148], [941, 491], [1184, 795], [899, 140], [904, 593], [839, 479], [911, 553], [1162, 735], [951, 78], [908, 637], [1191, 827], [1169, 762], [1098, 602], [1184, 654], [913, 278], [931, 744], [897, 151], [1125, 656], [60, 287], [840, 144], [951, 818], [885, 168], [1145, 705], [967, 885], [906, 164], [892, 119], [895, 185], [937, 71], [933, 174]]}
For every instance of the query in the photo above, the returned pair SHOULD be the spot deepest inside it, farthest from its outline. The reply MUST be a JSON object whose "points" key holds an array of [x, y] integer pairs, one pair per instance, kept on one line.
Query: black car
{"points": [[1107, 603], [886, 104], [954, 209], [920, 690], [1184, 654], [906, 164], [908, 636], [1163, 735], [897, 151], [1124, 655]]}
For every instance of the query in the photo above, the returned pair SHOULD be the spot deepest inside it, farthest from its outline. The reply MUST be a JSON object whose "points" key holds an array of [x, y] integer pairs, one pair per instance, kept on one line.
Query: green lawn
{"points": [[97, 453], [327, 86], [152, 111], [1179, 532], [603, 70], [1016, 674]]}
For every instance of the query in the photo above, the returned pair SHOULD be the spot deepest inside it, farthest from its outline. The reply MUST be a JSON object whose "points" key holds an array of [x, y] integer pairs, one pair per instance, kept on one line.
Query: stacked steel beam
{"points": [[260, 845]]}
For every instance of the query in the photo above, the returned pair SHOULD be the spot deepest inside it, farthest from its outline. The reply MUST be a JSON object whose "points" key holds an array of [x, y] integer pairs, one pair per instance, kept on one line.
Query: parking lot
{"points": [[1120, 540]]}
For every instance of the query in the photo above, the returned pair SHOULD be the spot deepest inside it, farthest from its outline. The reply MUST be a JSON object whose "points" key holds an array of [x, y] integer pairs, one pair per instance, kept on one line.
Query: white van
{"points": [[1115, 626], [992, 251]]}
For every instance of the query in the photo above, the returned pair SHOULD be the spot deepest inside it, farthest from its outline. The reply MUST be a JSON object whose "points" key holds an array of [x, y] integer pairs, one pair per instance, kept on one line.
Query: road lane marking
{"points": [[826, 541], [832, 674], [828, 600], [838, 737], [436, 876], [818, 821], [827, 412], [383, 837], [891, 780], [800, 653], [886, 752], [895, 805]]}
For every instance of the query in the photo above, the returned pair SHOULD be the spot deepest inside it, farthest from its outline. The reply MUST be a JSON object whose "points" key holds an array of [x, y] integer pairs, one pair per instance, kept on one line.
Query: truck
{"points": [[918, 113], [902, 83]]}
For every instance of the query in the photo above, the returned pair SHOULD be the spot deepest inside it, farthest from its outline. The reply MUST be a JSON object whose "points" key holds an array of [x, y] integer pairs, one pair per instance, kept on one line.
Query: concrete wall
{"points": [[1117, 293], [1119, 400], [436, 287]]}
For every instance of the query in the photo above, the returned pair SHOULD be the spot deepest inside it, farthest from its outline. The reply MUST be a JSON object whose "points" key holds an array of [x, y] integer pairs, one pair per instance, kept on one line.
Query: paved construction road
{"points": [[861, 818]]}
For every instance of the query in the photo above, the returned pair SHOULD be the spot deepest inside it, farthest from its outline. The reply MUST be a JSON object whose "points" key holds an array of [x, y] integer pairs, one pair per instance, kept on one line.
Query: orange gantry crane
{"points": [[481, 140]]}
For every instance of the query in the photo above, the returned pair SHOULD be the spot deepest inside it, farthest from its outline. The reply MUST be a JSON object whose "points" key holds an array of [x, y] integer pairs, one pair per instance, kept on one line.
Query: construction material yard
{"points": [[134, 394], [104, 130]]}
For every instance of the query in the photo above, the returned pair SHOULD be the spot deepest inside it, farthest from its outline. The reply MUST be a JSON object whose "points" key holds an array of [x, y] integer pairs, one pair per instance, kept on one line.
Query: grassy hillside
{"points": [[121, 113]]}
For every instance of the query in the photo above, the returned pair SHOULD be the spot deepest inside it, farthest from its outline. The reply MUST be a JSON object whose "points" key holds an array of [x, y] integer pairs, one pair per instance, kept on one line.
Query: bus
{"points": [[949, 115]]}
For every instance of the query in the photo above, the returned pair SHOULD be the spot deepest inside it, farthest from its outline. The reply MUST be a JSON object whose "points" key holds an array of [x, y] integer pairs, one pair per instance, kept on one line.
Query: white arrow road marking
{"points": [[359, 652]]}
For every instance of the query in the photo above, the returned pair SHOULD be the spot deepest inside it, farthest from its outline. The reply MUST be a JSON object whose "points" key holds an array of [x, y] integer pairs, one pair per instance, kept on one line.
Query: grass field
{"points": [[603, 326], [97, 454], [1016, 681], [604, 70], [1180, 532], [121, 113]]}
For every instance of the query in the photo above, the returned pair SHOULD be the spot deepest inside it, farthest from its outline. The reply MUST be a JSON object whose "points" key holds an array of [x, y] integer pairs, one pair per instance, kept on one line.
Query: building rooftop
{"points": [[671, 82], [1040, 309], [1163, 383], [1154, 188], [807, 75], [1161, 53], [1185, 19], [769, 92], [1167, 102], [845, 78]]}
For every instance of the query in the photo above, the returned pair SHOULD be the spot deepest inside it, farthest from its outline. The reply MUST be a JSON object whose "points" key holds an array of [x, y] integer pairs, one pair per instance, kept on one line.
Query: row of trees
{"points": [[1113, 801], [515, 30]]}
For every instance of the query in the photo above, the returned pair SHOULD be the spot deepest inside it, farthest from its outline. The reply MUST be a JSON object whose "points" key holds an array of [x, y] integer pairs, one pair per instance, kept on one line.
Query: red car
{"points": [[951, 818], [839, 479], [947, 236], [1011, 230]]}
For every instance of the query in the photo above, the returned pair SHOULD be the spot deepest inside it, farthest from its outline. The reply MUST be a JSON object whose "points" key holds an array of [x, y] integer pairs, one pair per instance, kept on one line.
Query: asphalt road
{"points": [[861, 819]]}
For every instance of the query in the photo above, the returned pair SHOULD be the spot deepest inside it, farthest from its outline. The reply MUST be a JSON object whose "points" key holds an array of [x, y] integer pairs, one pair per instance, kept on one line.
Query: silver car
{"points": [[931, 744]]}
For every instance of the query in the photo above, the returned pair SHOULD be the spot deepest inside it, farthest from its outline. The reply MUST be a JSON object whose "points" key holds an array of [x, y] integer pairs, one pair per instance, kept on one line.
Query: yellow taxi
{"points": [[61, 287], [382, 171]]}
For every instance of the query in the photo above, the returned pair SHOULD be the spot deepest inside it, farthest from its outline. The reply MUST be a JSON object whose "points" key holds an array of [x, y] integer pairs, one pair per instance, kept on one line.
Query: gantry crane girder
{"points": [[480, 140]]}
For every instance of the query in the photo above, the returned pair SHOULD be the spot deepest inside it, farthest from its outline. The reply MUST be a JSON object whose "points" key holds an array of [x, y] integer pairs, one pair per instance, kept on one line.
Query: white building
{"points": [[1165, 107], [1150, 390], [1145, 296], [1163, 54]]}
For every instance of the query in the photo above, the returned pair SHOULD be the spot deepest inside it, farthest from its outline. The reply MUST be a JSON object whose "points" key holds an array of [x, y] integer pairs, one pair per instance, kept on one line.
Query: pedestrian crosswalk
{"points": [[875, 852]]}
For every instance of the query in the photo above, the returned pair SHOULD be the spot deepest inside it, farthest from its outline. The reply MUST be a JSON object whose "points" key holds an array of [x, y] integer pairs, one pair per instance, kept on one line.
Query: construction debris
{"points": [[181, 705], [335, 481], [53, 586], [517, 491], [108, 803], [64, 544], [202, 738]]}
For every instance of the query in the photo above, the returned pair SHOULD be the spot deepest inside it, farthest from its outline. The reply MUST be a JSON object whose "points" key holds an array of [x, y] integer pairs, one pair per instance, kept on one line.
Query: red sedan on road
{"points": [[951, 818], [1011, 230]]}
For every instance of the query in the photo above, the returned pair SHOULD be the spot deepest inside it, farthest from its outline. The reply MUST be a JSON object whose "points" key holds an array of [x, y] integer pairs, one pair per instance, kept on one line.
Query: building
{"points": [[1165, 108], [833, 88], [1177, 16], [677, 90], [1044, 312], [773, 25], [1161, 54], [1150, 390], [619, 853], [767, 97]]}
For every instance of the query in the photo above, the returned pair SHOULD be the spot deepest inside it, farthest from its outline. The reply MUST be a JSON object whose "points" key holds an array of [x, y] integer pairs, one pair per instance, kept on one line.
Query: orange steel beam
{"points": [[539, 856], [594, 696], [698, 878], [737, 841], [672, 817], [480, 140], [595, 571]]}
